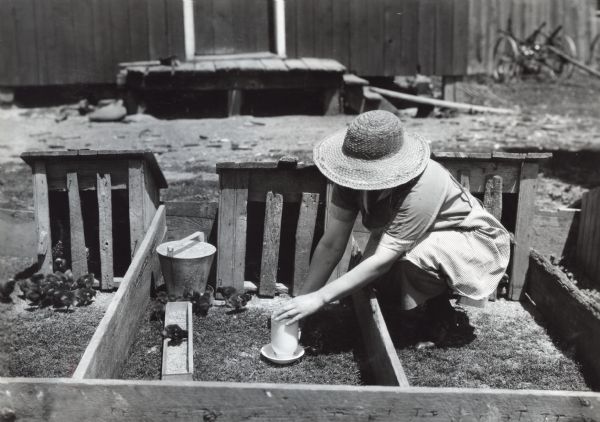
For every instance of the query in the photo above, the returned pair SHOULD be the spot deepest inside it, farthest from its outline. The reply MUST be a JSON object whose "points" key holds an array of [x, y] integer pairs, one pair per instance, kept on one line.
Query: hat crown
{"points": [[373, 135]]}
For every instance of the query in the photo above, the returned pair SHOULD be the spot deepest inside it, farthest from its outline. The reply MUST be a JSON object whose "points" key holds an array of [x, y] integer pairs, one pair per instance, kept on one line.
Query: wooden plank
{"points": [[358, 37], [9, 49], [135, 192], [105, 229], [594, 252], [341, 32], [382, 356], [291, 28], [138, 29], [178, 360], [109, 347], [79, 264], [234, 102], [492, 196], [271, 240], [588, 246], [427, 28], [233, 218], [460, 37], [323, 28], [583, 230], [274, 65], [574, 314], [205, 36], [42, 216], [375, 37], [184, 401], [176, 35], [464, 179], [304, 238], [555, 232], [158, 43], [151, 198], [57, 173], [525, 211], [479, 171], [24, 15], [83, 45], [409, 37], [119, 30], [305, 36], [223, 26], [444, 38]]}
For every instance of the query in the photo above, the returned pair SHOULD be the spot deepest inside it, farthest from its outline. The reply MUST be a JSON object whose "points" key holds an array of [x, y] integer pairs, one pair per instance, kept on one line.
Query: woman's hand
{"points": [[300, 307]]}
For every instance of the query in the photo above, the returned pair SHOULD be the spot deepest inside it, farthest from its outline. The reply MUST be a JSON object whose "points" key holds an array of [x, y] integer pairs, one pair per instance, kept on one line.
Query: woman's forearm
{"points": [[324, 260]]}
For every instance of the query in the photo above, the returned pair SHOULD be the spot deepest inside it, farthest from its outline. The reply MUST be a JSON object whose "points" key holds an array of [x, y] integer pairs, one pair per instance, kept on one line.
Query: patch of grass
{"points": [[510, 350], [227, 348], [46, 343]]}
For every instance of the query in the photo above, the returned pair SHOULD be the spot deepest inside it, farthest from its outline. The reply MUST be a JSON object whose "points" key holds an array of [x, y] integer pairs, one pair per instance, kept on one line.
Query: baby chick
{"points": [[175, 333], [66, 298], [86, 281], [84, 296], [6, 289], [157, 311], [162, 297], [235, 299], [60, 264], [34, 295], [201, 303]]}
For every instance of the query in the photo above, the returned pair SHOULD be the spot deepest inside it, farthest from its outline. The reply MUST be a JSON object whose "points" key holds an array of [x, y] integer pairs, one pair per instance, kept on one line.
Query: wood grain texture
{"points": [[492, 196], [271, 239], [478, 172], [135, 189], [42, 216], [109, 347], [525, 211], [79, 264], [233, 218], [105, 229], [574, 314], [185, 401], [382, 356], [178, 360], [304, 238]]}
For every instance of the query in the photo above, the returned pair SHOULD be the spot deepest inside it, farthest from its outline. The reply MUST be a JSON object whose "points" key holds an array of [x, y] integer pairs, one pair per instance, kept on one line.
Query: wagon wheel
{"points": [[506, 59], [594, 56], [561, 67]]}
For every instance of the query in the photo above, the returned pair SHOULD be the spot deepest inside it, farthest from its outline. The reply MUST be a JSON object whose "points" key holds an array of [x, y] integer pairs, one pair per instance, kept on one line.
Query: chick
{"points": [[201, 303], [85, 281], [227, 291], [6, 289], [29, 284], [34, 295], [84, 296], [162, 297], [60, 264], [157, 311], [175, 333], [66, 298], [238, 300]]}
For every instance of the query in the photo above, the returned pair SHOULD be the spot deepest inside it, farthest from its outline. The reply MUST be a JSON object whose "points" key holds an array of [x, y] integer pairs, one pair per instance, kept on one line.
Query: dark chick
{"points": [[6, 289], [201, 303], [86, 281], [60, 264], [84, 296], [162, 297], [175, 333], [34, 295], [64, 299], [238, 300], [227, 291], [157, 311]]}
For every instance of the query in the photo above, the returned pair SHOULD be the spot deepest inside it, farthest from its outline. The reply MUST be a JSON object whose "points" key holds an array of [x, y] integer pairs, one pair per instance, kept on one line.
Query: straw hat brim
{"points": [[361, 174]]}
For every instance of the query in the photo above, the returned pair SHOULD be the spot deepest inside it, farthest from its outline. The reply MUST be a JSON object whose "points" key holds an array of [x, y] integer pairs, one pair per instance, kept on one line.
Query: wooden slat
{"points": [[323, 17], [175, 28], [9, 65], [427, 30], [478, 171], [42, 216], [444, 38], [568, 310], [109, 347], [291, 28], [460, 37], [376, 37], [304, 238], [305, 28], [205, 36], [594, 252], [105, 231], [151, 198], [341, 32], [583, 229], [178, 360], [184, 401], [233, 217], [358, 40], [135, 188], [525, 211], [382, 356], [492, 196], [274, 65], [119, 27], [222, 26], [409, 37], [271, 240], [464, 179], [79, 264], [138, 29], [24, 15], [587, 251], [158, 42], [102, 45]]}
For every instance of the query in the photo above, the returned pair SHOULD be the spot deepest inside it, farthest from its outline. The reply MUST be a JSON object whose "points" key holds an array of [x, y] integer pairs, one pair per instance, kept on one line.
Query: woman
{"points": [[428, 234]]}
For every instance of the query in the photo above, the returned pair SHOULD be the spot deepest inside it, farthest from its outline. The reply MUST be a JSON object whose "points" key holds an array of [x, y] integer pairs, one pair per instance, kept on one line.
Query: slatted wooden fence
{"points": [[588, 240], [487, 17]]}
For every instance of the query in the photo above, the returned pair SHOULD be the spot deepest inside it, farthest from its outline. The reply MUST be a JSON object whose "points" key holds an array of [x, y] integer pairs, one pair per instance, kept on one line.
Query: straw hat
{"points": [[374, 152]]}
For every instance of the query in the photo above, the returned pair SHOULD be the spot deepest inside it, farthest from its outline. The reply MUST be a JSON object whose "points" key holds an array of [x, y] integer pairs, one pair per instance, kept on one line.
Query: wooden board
{"points": [[479, 171], [109, 347], [184, 218], [555, 232], [304, 238], [135, 191], [382, 356], [178, 360], [492, 196], [69, 400], [42, 217], [158, 43], [105, 229], [271, 240], [525, 212], [79, 264], [575, 315], [233, 217]]}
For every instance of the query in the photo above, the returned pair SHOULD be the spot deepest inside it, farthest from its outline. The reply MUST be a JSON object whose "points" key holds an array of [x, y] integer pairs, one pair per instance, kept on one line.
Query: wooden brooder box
{"points": [[97, 204], [85, 396]]}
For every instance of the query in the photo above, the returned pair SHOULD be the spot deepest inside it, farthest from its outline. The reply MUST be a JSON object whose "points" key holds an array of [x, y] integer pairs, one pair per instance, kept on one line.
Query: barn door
{"points": [[232, 26]]}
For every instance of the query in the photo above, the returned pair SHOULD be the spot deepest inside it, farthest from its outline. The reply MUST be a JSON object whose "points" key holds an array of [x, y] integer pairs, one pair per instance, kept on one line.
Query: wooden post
{"points": [[105, 230], [492, 196], [42, 217], [178, 360], [234, 102], [525, 212], [279, 25], [449, 87], [232, 225], [135, 187], [78, 249], [464, 179], [331, 102], [271, 240], [188, 29], [304, 238]]}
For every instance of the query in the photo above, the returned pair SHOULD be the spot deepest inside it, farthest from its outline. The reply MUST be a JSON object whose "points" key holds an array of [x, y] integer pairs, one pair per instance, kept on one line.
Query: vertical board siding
{"points": [[588, 240], [488, 17]]}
